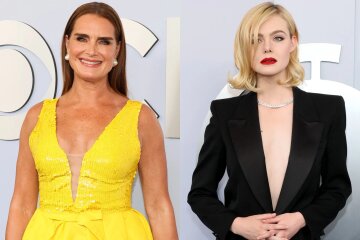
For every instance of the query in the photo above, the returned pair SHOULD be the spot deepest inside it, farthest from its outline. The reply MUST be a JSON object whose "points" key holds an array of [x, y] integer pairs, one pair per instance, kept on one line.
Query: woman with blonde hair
{"points": [[284, 149]]}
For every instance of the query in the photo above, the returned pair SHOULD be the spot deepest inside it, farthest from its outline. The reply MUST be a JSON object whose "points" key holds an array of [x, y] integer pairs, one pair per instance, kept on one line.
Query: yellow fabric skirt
{"points": [[90, 225]]}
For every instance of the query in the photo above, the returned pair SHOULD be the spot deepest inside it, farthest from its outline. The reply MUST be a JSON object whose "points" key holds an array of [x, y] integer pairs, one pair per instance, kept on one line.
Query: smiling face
{"points": [[272, 52], [92, 48]]}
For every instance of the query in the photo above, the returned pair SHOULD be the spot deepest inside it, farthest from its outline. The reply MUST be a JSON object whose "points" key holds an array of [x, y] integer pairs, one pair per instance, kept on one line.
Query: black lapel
{"points": [[306, 136], [245, 134]]}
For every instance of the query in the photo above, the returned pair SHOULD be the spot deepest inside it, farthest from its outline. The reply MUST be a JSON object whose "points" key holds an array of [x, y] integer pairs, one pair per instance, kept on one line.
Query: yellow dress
{"points": [[102, 207]]}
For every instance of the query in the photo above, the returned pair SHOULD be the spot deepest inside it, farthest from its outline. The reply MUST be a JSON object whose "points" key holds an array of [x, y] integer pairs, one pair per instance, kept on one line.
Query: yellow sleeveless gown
{"points": [[102, 207]]}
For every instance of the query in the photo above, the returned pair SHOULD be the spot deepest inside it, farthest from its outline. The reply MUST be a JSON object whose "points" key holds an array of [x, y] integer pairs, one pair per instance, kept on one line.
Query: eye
{"points": [[104, 42], [260, 40], [278, 38], [80, 39]]}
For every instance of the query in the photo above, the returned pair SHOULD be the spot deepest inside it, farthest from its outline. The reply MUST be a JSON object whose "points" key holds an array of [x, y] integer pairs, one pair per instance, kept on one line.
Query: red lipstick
{"points": [[268, 61]]}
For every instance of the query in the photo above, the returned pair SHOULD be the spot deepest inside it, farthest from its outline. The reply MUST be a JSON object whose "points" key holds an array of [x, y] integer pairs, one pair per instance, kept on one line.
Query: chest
{"points": [[78, 129], [276, 132], [103, 140]]}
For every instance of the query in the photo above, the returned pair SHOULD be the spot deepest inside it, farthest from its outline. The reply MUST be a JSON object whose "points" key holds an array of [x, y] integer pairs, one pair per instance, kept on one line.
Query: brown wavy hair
{"points": [[117, 75]]}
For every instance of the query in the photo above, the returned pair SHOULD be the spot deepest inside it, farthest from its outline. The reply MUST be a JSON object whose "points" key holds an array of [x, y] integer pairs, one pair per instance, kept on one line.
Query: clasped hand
{"points": [[268, 226]]}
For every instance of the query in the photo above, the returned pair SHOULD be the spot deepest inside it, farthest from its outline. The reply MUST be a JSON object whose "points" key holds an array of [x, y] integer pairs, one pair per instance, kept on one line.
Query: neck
{"points": [[90, 92], [272, 92]]}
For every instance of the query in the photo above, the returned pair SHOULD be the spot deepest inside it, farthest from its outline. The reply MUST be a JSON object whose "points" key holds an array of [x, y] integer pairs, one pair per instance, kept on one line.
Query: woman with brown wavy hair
{"points": [[80, 152]]}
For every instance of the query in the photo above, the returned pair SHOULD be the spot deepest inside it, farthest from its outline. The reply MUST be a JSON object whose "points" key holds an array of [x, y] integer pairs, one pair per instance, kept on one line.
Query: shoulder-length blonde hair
{"points": [[245, 40], [117, 75]]}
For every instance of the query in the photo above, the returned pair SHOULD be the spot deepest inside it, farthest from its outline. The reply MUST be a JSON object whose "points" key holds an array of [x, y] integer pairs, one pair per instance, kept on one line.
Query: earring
{"points": [[67, 57], [115, 62]]}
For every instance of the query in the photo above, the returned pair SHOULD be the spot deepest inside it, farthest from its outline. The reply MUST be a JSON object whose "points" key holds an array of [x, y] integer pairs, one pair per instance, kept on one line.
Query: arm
{"points": [[153, 176], [25, 196], [210, 168], [335, 187]]}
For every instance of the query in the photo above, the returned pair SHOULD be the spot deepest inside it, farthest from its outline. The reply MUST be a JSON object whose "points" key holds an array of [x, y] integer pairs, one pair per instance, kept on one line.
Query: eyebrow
{"points": [[87, 36], [274, 32]]}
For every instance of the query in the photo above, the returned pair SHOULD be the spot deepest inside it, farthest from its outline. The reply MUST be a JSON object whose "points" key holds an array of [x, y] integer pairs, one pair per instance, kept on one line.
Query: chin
{"points": [[91, 77], [269, 73]]}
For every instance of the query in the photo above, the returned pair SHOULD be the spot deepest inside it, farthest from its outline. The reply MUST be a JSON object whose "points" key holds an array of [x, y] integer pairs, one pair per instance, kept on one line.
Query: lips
{"points": [[89, 62], [268, 61]]}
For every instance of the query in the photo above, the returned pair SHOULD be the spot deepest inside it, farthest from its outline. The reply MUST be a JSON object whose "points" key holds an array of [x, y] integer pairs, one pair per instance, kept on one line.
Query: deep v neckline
{"points": [[277, 161], [84, 157], [260, 135]]}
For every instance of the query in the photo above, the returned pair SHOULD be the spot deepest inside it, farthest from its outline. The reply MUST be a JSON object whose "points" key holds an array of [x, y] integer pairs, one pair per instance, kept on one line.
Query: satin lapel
{"points": [[306, 136], [245, 134]]}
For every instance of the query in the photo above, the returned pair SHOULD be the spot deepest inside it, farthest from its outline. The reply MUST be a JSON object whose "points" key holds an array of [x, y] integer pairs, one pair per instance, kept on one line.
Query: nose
{"points": [[267, 45], [91, 49]]}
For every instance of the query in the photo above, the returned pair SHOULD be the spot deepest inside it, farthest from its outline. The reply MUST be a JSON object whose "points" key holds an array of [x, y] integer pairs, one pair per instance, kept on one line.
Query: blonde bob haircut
{"points": [[246, 38]]}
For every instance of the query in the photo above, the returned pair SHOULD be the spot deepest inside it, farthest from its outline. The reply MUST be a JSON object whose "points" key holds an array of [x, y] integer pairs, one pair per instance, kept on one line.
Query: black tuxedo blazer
{"points": [[316, 181]]}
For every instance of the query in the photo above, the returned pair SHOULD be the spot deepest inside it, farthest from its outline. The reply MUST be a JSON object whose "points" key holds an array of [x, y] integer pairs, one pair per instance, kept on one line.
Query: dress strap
{"points": [[47, 114], [134, 108]]}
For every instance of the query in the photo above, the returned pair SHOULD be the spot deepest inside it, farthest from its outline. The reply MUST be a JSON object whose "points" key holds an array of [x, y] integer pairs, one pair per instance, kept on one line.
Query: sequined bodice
{"points": [[108, 168]]}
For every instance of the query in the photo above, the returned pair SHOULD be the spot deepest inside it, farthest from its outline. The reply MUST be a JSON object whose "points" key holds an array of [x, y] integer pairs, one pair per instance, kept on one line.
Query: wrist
{"points": [[301, 219], [234, 228]]}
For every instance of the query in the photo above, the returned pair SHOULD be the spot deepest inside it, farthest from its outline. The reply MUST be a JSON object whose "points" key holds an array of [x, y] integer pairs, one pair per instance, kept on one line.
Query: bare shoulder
{"points": [[32, 116], [148, 123], [147, 116]]}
